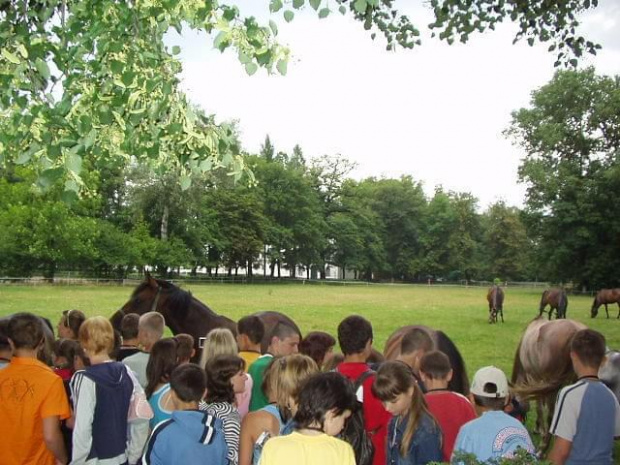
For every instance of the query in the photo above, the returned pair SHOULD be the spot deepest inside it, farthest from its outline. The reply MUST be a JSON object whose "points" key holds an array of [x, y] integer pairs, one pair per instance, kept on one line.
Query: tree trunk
{"points": [[164, 224], [272, 265], [279, 275]]}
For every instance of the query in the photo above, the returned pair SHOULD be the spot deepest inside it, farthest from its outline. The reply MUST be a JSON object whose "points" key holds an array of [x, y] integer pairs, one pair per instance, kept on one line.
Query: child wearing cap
{"points": [[494, 434]]}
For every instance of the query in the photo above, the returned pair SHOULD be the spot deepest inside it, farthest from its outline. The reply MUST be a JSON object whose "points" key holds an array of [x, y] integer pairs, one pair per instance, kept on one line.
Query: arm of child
{"points": [[53, 438], [560, 451], [84, 401]]}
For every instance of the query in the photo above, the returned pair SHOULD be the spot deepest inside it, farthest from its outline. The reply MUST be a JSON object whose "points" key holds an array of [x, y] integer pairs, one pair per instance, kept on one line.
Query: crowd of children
{"points": [[135, 397]]}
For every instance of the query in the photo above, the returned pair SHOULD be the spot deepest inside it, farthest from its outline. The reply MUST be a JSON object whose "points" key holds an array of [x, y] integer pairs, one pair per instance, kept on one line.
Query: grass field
{"points": [[460, 312]]}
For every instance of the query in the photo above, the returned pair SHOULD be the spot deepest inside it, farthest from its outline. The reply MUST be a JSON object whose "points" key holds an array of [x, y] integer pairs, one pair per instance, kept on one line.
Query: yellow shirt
{"points": [[29, 392], [302, 449], [249, 356]]}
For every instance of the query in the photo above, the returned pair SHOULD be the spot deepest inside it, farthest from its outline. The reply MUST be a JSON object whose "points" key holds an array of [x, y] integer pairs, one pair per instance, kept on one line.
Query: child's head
{"points": [[354, 335], [162, 361], [414, 344], [69, 324], [97, 336], [65, 351], [185, 347], [318, 346], [325, 401], [589, 347], [489, 388], [291, 373], [25, 331], [225, 378], [219, 341], [150, 329], [129, 327], [435, 367], [397, 388], [188, 383], [283, 340], [250, 331]]}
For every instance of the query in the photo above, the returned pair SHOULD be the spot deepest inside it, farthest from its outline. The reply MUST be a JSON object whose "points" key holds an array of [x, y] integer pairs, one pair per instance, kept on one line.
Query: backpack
{"points": [[354, 431]]}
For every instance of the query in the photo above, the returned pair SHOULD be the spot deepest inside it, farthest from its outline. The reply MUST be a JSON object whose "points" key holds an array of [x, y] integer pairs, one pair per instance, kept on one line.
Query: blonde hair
{"points": [[219, 341], [395, 378], [96, 335], [153, 324], [292, 371]]}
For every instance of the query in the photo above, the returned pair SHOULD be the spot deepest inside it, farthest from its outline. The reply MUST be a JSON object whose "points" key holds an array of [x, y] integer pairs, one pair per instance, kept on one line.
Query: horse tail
{"points": [[460, 381], [517, 367], [562, 304], [495, 292]]}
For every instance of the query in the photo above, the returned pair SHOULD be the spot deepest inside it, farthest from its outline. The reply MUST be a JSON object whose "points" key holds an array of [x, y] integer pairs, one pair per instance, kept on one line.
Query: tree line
{"points": [[299, 214]]}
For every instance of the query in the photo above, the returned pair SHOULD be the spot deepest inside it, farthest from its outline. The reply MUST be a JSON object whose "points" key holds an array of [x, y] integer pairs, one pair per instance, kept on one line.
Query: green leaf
{"points": [[89, 140], [360, 6], [176, 49], [42, 68], [342, 10], [297, 4], [275, 6], [221, 41], [251, 68], [24, 157], [282, 67], [9, 56], [324, 13], [288, 16], [50, 176], [69, 197], [72, 185], [73, 162], [186, 182], [22, 50], [315, 4], [573, 62], [274, 27]]}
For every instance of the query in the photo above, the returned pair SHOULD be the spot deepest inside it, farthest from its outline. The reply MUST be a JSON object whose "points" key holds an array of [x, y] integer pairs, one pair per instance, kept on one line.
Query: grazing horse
{"points": [[556, 299], [604, 297], [542, 366], [183, 313], [460, 381], [495, 297]]}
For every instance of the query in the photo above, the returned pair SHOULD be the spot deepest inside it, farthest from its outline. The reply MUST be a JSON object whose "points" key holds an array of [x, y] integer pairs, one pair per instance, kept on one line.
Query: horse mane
{"points": [[178, 300], [445, 345]]}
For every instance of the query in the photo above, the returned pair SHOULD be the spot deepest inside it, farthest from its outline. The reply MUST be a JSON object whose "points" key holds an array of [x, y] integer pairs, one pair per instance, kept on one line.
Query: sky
{"points": [[436, 112]]}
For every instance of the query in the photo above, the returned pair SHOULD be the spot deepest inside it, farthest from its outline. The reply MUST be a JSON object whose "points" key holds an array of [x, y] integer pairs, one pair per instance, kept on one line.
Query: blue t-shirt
{"points": [[495, 434], [588, 415]]}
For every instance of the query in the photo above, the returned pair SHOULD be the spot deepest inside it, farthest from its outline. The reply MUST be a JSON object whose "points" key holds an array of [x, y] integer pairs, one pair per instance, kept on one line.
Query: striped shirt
{"points": [[232, 426]]}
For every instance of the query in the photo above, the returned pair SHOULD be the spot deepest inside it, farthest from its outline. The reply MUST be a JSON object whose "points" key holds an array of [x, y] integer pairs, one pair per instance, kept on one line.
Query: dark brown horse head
{"points": [[460, 381], [181, 311]]}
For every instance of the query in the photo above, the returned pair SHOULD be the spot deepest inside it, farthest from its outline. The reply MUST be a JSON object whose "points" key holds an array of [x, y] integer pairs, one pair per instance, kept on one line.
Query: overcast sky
{"points": [[436, 112]]}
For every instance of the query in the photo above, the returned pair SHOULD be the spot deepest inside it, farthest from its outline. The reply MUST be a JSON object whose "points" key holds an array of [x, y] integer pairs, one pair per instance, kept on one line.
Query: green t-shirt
{"points": [[257, 371]]}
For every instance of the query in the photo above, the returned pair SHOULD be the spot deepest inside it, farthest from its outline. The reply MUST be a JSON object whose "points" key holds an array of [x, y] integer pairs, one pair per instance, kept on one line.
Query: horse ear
{"points": [[150, 280]]}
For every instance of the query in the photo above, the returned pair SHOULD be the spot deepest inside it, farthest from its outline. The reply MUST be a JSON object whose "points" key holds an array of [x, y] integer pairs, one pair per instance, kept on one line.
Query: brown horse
{"points": [[556, 299], [460, 381], [542, 365], [183, 313], [495, 298], [604, 297]]}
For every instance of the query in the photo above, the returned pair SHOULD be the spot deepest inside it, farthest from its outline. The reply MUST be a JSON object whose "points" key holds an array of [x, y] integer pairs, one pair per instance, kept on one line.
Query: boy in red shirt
{"points": [[451, 409], [355, 339]]}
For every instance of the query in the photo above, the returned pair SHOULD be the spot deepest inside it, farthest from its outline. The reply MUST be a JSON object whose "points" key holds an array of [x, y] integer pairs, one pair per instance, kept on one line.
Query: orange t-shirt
{"points": [[29, 392]]}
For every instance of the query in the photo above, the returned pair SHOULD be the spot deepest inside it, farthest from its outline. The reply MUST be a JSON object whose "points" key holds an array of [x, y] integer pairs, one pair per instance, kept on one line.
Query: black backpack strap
{"points": [[361, 378]]}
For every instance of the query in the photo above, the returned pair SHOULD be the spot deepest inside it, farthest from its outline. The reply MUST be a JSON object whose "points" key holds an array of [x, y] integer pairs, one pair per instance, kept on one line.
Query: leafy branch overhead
{"points": [[90, 84]]}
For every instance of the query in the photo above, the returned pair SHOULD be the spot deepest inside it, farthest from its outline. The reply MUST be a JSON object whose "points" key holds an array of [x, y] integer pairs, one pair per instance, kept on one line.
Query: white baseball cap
{"points": [[490, 376]]}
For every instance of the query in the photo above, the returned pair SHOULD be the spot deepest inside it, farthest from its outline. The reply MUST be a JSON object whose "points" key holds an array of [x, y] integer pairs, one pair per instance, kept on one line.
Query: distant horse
{"points": [[556, 299], [495, 297], [460, 381], [542, 365], [604, 297], [45, 353], [183, 313]]}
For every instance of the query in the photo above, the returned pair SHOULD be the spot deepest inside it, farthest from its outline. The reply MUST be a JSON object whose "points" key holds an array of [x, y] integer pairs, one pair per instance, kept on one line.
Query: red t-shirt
{"points": [[451, 410], [376, 418]]}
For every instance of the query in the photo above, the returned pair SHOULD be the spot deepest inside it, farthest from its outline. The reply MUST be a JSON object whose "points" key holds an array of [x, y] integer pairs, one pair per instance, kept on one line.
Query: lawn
{"points": [[460, 312]]}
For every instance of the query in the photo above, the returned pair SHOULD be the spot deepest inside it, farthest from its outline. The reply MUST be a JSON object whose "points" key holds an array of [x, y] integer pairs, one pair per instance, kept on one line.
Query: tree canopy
{"points": [[90, 85]]}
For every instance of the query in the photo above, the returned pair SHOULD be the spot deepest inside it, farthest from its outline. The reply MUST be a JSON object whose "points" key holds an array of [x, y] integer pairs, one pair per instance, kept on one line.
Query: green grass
{"points": [[460, 312]]}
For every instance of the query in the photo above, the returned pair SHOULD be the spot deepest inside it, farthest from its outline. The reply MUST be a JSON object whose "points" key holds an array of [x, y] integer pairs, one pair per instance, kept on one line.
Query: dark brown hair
{"points": [[316, 344], [589, 346], [162, 361], [435, 364], [220, 370]]}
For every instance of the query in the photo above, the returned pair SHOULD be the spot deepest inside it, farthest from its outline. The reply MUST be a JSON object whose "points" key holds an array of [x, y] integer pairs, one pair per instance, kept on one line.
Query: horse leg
{"points": [[606, 311], [501, 313], [618, 311]]}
